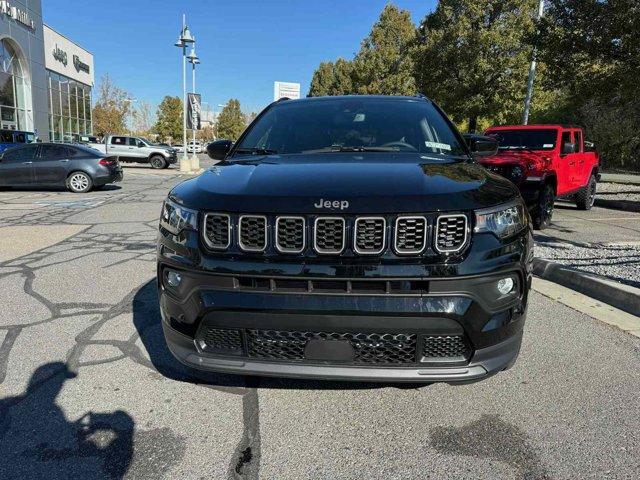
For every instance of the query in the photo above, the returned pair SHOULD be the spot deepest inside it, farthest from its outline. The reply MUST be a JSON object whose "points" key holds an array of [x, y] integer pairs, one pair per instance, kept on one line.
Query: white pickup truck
{"points": [[137, 150]]}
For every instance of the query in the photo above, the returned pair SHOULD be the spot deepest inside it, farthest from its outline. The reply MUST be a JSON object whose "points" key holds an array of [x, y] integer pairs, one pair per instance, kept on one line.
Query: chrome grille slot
{"points": [[290, 234], [217, 230], [451, 233], [329, 235], [370, 235], [410, 235], [252, 233]]}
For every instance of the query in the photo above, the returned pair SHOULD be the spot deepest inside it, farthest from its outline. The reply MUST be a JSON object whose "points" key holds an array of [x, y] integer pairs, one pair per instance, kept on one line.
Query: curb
{"points": [[624, 205], [623, 297]]}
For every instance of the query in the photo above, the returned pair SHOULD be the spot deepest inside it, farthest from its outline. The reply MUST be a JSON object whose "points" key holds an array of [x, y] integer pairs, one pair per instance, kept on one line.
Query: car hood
{"points": [[533, 159], [370, 183]]}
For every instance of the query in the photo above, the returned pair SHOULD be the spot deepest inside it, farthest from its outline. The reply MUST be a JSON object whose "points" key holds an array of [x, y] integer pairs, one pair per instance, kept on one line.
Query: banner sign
{"points": [[194, 112]]}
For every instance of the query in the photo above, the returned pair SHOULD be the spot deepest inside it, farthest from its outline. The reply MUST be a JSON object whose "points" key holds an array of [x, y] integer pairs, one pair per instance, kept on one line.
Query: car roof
{"points": [[538, 126], [396, 98]]}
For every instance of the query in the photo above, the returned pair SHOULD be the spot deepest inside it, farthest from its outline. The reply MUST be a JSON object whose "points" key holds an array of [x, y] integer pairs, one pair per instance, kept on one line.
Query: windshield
{"points": [[525, 139], [352, 124]]}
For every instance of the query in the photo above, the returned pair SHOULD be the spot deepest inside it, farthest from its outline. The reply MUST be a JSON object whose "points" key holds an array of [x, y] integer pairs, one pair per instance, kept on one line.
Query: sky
{"points": [[244, 45]]}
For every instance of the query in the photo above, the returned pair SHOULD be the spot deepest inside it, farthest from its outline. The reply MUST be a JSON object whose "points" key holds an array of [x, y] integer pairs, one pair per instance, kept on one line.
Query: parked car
{"points": [[137, 150], [546, 162], [13, 138], [88, 139], [76, 167], [178, 147], [351, 238], [194, 147]]}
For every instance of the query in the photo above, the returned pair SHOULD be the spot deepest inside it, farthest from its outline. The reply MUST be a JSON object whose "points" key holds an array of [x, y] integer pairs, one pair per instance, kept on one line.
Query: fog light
{"points": [[505, 285], [173, 278]]}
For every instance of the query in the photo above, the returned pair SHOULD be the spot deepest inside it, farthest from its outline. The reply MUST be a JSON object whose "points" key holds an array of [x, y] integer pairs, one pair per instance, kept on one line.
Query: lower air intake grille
{"points": [[451, 233], [329, 235], [252, 233], [449, 347], [370, 235], [411, 234], [290, 234], [221, 340], [369, 348], [216, 230]]}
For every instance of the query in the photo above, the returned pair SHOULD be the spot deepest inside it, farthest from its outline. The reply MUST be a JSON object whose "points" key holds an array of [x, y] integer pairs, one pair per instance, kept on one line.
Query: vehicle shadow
{"points": [[38, 441], [61, 189], [146, 318]]}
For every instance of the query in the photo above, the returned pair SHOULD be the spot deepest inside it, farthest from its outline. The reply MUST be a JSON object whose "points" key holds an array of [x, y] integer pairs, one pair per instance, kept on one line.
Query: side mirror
{"points": [[218, 150], [568, 147], [481, 145]]}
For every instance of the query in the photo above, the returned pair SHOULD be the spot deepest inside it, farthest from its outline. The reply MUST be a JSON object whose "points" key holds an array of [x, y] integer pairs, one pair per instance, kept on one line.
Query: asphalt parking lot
{"points": [[89, 390]]}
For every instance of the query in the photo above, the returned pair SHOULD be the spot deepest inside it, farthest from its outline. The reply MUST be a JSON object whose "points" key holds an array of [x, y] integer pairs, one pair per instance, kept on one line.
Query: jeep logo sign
{"points": [[333, 204]]}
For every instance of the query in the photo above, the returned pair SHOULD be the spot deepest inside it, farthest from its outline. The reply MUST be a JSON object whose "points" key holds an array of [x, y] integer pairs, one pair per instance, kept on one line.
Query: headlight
{"points": [[176, 218], [502, 221]]}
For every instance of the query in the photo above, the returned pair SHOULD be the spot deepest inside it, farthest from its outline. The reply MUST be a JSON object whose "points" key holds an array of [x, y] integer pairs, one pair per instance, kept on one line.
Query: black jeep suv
{"points": [[346, 238]]}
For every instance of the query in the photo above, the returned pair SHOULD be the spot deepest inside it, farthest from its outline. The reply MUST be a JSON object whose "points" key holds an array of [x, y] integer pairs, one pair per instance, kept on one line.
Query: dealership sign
{"points": [[194, 111], [21, 16], [60, 55], [79, 64], [286, 90]]}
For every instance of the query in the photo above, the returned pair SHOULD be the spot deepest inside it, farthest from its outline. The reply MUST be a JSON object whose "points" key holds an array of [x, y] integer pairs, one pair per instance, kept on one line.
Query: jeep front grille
{"points": [[370, 234], [329, 235], [290, 234], [451, 233], [217, 230], [252, 233], [370, 348], [410, 235]]}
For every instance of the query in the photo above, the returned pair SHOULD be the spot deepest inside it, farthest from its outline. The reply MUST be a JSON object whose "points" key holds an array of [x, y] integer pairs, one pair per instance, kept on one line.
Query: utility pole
{"points": [[532, 72]]}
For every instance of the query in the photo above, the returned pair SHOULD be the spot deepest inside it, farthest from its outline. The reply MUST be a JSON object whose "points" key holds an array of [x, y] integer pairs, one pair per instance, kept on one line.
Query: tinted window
{"points": [[566, 138], [6, 137], [53, 152], [20, 138], [394, 124], [133, 141], [24, 154], [118, 140], [525, 139]]}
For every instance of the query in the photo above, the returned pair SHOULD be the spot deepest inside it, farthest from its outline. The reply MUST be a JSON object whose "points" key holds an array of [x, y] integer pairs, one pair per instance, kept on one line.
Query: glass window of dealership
{"points": [[46, 79], [69, 107]]}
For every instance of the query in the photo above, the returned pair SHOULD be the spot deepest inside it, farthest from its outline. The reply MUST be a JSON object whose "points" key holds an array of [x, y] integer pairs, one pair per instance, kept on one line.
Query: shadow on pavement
{"points": [[146, 318], [37, 440]]}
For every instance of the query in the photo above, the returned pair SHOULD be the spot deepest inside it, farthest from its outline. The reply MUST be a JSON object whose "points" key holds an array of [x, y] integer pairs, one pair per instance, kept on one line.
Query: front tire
{"points": [[544, 209], [158, 162], [587, 196], [79, 182]]}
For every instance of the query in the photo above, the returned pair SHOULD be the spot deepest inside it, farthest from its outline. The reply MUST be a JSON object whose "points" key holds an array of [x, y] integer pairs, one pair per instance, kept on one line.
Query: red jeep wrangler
{"points": [[546, 162]]}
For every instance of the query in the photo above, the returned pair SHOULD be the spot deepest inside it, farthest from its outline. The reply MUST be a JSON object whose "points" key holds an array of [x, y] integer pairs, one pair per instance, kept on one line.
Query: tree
{"points": [[592, 49], [382, 66], [472, 57], [142, 118], [231, 121], [112, 108], [169, 118]]}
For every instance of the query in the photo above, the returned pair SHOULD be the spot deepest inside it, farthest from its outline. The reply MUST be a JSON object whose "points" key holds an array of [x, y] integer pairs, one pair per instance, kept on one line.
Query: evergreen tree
{"points": [[169, 118], [231, 121]]}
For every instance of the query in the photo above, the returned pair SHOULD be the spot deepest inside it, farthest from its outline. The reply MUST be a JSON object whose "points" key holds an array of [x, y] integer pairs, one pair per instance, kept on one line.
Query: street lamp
{"points": [[184, 39], [194, 60]]}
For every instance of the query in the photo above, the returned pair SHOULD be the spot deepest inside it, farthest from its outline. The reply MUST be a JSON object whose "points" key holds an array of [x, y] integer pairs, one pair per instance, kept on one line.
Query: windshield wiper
{"points": [[256, 151], [340, 148]]}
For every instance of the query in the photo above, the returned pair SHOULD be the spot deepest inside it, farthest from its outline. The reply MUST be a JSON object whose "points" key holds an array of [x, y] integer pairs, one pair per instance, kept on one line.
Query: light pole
{"points": [[131, 112], [194, 60], [532, 73], [184, 39]]}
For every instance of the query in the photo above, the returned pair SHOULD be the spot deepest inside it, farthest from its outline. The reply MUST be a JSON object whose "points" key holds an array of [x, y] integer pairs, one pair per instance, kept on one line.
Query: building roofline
{"points": [[67, 38]]}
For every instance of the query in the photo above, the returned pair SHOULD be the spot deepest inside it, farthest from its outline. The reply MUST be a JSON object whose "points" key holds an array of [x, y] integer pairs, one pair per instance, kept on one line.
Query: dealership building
{"points": [[46, 80]]}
